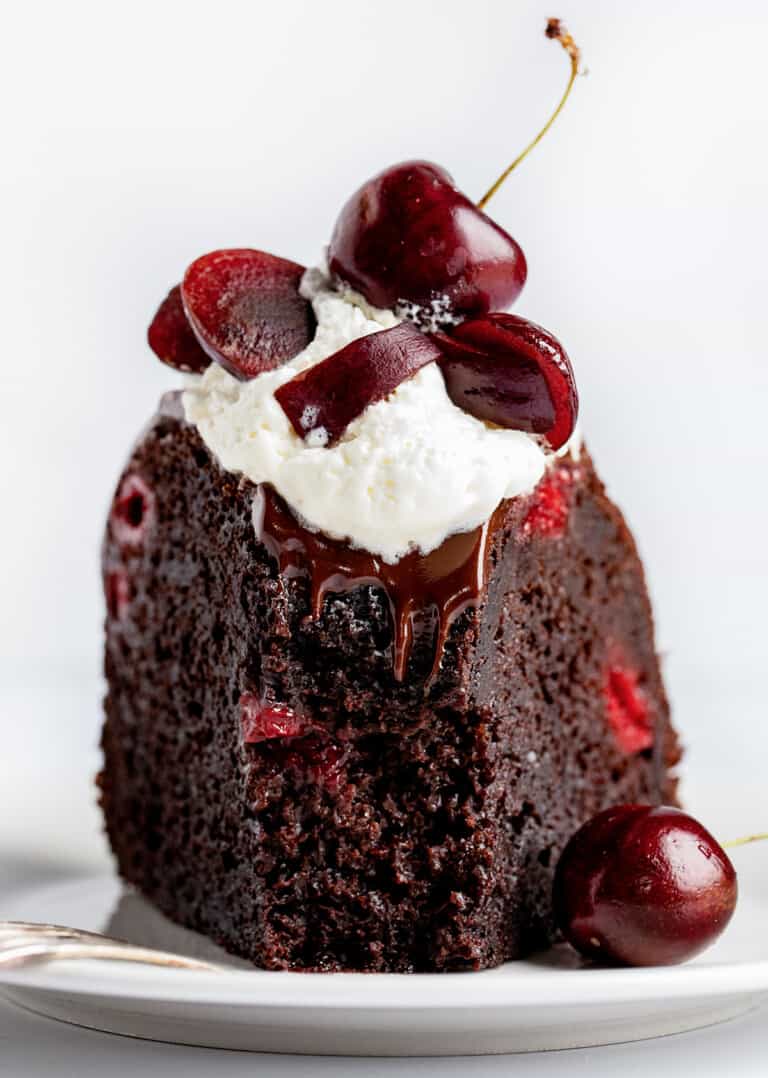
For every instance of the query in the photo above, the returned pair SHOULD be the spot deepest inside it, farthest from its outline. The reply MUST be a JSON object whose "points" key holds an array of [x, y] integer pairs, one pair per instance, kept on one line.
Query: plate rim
{"points": [[243, 988], [395, 992]]}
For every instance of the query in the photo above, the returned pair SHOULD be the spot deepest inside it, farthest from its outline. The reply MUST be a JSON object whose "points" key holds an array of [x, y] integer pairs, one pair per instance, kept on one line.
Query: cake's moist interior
{"points": [[270, 781]]}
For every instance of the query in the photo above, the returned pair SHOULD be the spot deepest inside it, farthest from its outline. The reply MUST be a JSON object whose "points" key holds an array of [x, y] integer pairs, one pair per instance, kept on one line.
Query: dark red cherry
{"points": [[323, 400], [171, 337], [511, 372], [409, 239], [643, 886], [245, 309]]}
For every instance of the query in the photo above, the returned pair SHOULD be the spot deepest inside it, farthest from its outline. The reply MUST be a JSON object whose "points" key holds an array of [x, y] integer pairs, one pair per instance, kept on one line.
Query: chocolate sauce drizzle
{"points": [[419, 588]]}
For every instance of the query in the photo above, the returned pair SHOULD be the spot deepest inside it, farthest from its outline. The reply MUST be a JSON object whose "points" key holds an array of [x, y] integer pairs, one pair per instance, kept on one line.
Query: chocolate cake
{"points": [[378, 643], [351, 820]]}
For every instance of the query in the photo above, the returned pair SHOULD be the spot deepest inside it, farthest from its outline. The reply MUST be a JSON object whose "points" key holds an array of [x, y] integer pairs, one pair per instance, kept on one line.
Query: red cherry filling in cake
{"points": [[117, 590], [281, 738], [263, 722], [311, 761], [547, 514], [132, 511], [628, 710]]}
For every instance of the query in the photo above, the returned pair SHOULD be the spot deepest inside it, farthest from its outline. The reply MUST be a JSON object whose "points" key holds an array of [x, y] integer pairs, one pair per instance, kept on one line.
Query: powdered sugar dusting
{"points": [[309, 417], [436, 315]]}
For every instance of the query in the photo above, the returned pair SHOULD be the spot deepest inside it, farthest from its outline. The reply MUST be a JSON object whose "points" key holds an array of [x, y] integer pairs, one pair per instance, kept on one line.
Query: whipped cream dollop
{"points": [[407, 473]]}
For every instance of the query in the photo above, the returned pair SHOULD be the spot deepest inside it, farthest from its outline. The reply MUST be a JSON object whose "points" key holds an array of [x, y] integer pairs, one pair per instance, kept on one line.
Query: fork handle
{"points": [[23, 943]]}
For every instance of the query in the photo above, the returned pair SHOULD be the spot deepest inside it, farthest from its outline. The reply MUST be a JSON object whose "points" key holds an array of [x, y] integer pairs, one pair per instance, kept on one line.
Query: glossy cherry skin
{"points": [[509, 371], [246, 310], [172, 339], [409, 239], [643, 886], [323, 400]]}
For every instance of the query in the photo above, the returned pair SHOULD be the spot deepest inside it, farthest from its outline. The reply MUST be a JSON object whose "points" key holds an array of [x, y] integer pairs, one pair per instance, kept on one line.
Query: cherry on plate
{"points": [[643, 886], [246, 311], [409, 239]]}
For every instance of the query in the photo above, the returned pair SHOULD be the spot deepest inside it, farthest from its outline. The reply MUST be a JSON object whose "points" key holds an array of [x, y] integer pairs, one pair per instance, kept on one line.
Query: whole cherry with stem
{"points": [[409, 239], [746, 840]]}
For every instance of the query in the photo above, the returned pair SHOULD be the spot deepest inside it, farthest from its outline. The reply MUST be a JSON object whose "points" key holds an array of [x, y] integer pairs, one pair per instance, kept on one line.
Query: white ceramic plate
{"points": [[544, 1003]]}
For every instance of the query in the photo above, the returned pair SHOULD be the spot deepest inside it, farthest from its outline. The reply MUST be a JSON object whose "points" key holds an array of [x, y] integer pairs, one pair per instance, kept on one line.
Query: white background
{"points": [[135, 137]]}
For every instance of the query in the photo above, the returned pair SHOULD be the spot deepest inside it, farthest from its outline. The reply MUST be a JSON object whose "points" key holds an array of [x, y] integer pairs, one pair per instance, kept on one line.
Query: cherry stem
{"points": [[763, 837], [557, 32]]}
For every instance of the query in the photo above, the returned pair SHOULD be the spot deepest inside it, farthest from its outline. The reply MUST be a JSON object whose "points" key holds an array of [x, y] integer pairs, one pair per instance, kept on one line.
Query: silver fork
{"points": [[24, 942]]}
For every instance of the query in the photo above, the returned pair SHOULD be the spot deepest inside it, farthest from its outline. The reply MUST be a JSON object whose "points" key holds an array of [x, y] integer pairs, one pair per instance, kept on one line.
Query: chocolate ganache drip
{"points": [[418, 588]]}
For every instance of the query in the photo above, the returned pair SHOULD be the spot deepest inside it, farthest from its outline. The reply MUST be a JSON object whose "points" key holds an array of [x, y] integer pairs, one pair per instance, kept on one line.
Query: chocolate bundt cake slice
{"points": [[322, 761], [378, 643]]}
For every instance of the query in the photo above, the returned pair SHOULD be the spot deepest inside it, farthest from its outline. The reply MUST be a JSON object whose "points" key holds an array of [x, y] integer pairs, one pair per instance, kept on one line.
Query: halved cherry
{"points": [[246, 311], [171, 337], [322, 401], [511, 372]]}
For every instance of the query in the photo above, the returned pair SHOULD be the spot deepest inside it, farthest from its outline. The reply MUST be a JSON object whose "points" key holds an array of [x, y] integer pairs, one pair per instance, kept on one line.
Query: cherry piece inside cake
{"points": [[377, 641]]}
